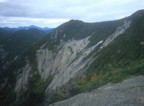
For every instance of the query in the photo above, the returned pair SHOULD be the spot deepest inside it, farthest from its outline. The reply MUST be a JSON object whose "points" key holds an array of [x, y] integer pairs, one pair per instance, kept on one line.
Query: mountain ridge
{"points": [[46, 29]]}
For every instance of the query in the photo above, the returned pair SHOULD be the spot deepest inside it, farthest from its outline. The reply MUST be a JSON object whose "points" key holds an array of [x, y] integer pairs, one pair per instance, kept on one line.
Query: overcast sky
{"points": [[51, 13]]}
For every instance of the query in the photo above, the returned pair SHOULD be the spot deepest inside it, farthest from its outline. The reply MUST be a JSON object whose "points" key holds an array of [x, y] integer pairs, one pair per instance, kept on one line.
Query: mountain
{"points": [[36, 27], [77, 57], [27, 28], [13, 44]]}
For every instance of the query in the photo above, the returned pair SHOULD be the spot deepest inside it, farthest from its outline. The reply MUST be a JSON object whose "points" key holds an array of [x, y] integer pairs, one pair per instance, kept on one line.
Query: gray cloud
{"points": [[12, 10], [55, 12]]}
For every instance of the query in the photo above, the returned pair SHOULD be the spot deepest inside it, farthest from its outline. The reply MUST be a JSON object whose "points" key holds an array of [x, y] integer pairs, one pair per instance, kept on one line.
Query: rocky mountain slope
{"points": [[76, 57]]}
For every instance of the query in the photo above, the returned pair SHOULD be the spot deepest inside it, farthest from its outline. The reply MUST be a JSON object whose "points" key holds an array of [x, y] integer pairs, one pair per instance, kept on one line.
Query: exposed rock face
{"points": [[120, 30], [64, 64], [22, 79], [130, 92]]}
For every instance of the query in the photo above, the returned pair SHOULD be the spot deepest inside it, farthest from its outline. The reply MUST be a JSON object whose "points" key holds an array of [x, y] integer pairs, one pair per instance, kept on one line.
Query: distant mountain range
{"points": [[14, 41], [46, 29]]}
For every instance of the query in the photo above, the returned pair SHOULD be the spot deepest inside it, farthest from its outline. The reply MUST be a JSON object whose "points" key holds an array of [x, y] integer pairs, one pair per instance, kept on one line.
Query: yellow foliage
{"points": [[94, 77]]}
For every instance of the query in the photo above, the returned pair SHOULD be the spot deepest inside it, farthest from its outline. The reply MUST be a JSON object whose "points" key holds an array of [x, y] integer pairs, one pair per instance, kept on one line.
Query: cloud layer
{"points": [[52, 13]]}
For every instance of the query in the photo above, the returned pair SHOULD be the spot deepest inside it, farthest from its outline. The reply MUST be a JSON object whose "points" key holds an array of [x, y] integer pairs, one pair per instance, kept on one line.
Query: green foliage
{"points": [[114, 75], [7, 95], [75, 29], [20, 41], [122, 51]]}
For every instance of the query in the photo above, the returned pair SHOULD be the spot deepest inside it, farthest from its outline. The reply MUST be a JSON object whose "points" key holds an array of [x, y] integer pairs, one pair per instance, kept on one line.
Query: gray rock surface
{"points": [[120, 30], [130, 92], [22, 79]]}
